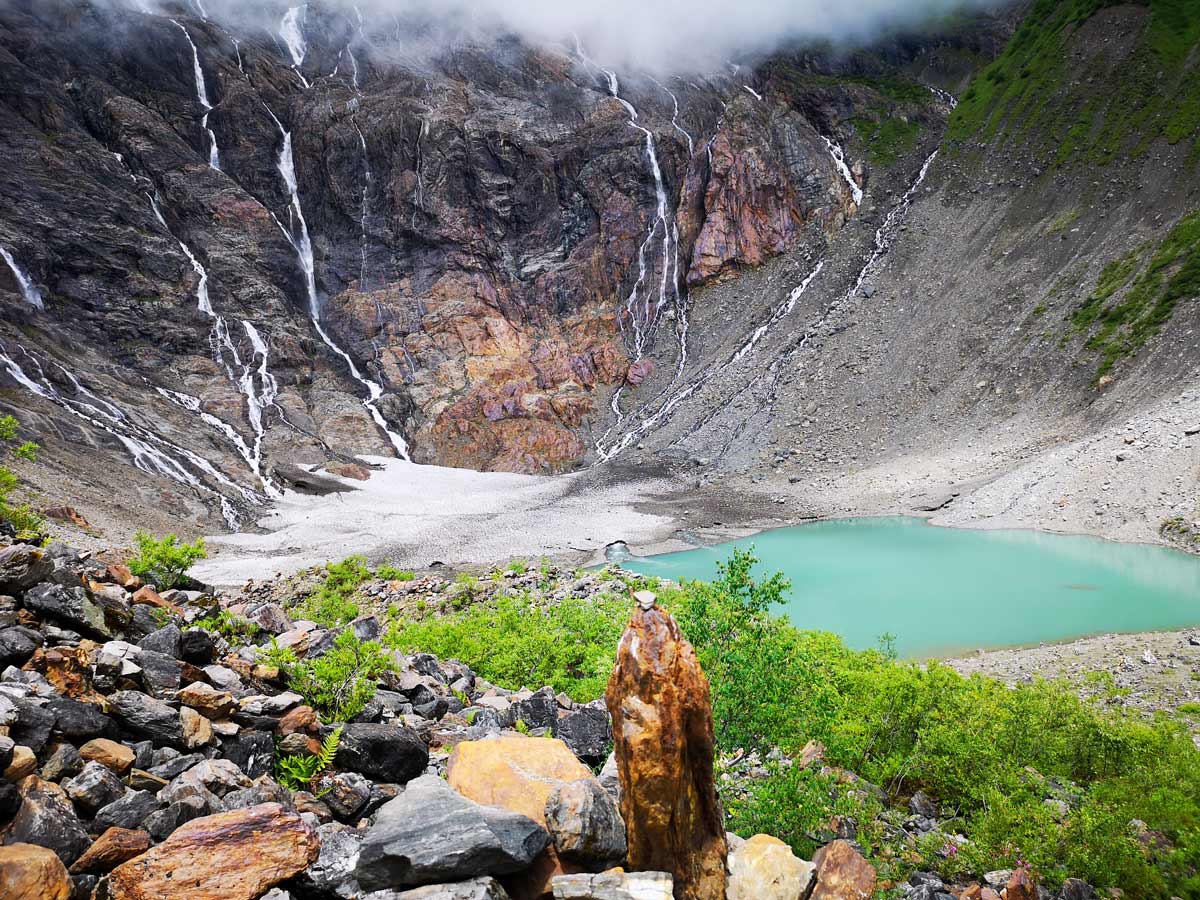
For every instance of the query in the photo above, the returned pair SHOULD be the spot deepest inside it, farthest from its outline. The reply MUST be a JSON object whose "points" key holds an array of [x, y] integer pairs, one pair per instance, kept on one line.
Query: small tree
{"points": [[339, 684], [164, 561], [26, 523]]}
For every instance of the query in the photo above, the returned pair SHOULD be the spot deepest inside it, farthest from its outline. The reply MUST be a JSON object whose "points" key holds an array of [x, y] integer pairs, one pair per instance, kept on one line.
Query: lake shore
{"points": [[1144, 673]]}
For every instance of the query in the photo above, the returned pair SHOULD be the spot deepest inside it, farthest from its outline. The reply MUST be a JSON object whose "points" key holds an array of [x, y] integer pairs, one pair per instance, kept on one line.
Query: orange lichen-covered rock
{"points": [[235, 855], [115, 846], [1020, 886], [519, 774], [663, 734], [29, 872], [842, 873]]}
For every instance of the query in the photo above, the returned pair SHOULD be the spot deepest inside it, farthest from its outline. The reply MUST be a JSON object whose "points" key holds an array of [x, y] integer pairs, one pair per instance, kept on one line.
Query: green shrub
{"points": [[339, 684], [298, 771], [236, 630], [519, 642], [281, 658], [391, 573], [330, 605], [164, 561]]}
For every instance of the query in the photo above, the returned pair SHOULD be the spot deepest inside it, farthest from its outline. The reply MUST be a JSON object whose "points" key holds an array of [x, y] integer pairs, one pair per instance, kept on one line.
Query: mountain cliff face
{"points": [[236, 248]]}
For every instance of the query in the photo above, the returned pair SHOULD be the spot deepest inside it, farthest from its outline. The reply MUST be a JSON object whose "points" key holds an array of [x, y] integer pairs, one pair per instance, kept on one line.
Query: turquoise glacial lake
{"points": [[942, 591]]}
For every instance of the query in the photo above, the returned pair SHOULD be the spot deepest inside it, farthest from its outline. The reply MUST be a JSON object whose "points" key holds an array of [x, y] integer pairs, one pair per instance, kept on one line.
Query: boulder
{"points": [[164, 640], [128, 811], [389, 753], [585, 824], [332, 874], [78, 608], [112, 848], [46, 818], [10, 800], [22, 762], [21, 567], [79, 721], [518, 773], [162, 824], [587, 731], [29, 872], [1021, 886], [207, 700], [108, 753], [236, 855], [147, 717], [94, 787], [764, 868], [430, 834], [197, 730], [615, 886], [64, 761], [17, 644], [664, 750], [842, 873], [346, 794]]}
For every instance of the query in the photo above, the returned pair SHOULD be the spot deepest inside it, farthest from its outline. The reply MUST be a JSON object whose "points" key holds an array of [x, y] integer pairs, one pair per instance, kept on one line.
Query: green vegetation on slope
{"points": [[1114, 109], [992, 754], [888, 139], [1172, 275]]}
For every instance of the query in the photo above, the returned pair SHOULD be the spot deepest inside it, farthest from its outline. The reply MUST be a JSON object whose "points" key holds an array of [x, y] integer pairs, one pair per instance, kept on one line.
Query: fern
{"points": [[298, 771]]}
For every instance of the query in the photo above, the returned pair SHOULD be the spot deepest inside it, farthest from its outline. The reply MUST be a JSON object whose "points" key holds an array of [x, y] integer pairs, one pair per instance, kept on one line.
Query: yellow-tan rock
{"points": [[108, 753], [236, 855], [519, 774], [663, 739], [765, 868], [23, 763], [29, 872]]}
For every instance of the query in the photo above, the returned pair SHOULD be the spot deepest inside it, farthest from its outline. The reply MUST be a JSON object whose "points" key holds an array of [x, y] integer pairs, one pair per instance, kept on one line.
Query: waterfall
{"points": [[302, 244], [29, 292], [149, 452], [214, 158], [839, 160], [292, 33], [363, 208], [258, 397]]}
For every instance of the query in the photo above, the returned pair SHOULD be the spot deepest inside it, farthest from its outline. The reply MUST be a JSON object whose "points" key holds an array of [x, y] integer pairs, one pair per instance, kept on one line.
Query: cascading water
{"points": [[214, 158], [675, 117], [149, 452], [292, 32], [301, 242], [260, 396], [29, 292], [839, 160], [364, 208]]}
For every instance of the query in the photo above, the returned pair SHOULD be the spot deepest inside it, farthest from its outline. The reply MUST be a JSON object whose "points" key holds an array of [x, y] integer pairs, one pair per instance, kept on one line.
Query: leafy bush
{"points": [[164, 561], [236, 630], [339, 684], [330, 605], [993, 753], [298, 771], [518, 642], [391, 573]]}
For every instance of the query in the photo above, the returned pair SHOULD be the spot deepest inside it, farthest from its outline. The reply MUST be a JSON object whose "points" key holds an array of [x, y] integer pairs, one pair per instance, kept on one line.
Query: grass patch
{"points": [[1122, 328], [889, 139], [1028, 91]]}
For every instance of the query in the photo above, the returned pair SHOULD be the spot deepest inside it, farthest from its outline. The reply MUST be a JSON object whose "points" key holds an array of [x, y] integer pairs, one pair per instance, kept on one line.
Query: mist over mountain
{"points": [[667, 37]]}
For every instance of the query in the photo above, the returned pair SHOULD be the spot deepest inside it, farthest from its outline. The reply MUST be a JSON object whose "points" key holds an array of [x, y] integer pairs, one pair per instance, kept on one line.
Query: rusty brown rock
{"points": [[29, 872], [1020, 886], [663, 734], [148, 596], [66, 514], [842, 873], [349, 470], [207, 700], [23, 763], [236, 855], [302, 719], [68, 670], [115, 846]]}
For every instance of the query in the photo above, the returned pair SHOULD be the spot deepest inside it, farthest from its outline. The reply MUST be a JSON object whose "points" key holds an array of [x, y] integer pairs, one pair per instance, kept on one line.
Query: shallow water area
{"points": [[942, 591]]}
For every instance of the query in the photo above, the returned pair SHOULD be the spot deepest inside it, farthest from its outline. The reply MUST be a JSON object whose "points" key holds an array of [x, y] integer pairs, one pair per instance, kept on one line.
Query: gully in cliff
{"points": [[663, 733]]}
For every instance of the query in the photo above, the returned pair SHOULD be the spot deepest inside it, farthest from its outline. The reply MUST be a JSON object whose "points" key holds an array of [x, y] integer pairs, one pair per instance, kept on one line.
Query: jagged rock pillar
{"points": [[663, 734]]}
